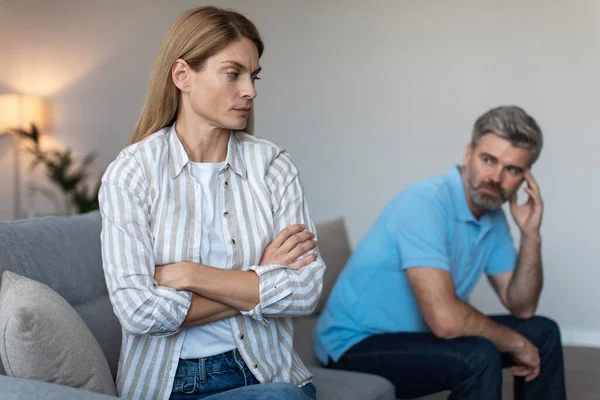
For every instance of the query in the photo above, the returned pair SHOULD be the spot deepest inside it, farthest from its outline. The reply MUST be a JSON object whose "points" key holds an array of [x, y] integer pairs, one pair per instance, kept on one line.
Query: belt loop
{"points": [[202, 369]]}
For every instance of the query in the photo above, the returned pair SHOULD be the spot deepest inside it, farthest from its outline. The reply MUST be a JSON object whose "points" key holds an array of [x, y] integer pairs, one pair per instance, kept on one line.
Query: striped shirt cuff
{"points": [[177, 304], [274, 285]]}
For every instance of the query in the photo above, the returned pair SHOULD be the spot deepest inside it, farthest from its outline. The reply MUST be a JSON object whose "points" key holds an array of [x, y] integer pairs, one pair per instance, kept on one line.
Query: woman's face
{"points": [[221, 92]]}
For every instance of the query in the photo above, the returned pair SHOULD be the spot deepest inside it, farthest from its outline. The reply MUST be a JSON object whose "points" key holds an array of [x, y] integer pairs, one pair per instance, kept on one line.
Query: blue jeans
{"points": [[419, 364], [226, 376]]}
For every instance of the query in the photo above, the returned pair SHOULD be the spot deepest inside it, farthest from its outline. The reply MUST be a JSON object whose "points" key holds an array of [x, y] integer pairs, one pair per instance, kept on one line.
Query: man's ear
{"points": [[180, 73], [468, 152]]}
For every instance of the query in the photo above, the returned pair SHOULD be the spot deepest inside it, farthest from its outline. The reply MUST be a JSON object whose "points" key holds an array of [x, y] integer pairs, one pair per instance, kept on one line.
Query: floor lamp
{"points": [[17, 113]]}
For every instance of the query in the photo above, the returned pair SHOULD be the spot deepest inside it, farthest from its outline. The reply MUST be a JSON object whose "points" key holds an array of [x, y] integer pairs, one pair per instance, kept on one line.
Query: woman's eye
{"points": [[255, 78], [233, 75]]}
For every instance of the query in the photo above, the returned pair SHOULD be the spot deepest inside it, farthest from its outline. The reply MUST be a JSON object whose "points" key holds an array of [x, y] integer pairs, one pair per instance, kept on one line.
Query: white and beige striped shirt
{"points": [[150, 216]]}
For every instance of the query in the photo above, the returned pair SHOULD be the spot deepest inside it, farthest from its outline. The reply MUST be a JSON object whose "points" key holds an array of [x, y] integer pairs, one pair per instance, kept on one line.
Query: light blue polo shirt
{"points": [[428, 224]]}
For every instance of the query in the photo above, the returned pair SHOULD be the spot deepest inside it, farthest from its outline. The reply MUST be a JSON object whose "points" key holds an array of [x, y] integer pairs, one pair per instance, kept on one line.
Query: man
{"points": [[399, 308]]}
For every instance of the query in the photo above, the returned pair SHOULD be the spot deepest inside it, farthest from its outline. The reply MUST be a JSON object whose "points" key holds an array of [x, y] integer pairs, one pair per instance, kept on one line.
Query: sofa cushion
{"points": [[304, 342], [43, 338], [335, 251], [334, 385], [61, 252], [58, 251], [19, 389], [100, 318]]}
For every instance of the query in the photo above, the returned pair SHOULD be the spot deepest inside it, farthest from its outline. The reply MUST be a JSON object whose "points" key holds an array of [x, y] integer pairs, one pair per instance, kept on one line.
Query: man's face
{"points": [[493, 171]]}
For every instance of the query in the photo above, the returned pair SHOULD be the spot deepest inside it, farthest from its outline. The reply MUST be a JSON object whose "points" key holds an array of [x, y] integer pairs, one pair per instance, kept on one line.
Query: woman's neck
{"points": [[203, 143]]}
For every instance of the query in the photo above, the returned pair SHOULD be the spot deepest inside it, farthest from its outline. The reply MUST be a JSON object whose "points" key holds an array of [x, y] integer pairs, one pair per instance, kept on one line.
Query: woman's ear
{"points": [[180, 73]]}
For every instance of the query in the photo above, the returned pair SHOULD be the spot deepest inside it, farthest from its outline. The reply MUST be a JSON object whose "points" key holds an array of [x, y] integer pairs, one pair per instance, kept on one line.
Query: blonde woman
{"points": [[207, 242]]}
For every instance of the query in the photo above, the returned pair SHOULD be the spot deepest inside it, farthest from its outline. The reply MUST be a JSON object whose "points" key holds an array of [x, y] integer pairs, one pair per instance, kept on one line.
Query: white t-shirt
{"points": [[216, 337]]}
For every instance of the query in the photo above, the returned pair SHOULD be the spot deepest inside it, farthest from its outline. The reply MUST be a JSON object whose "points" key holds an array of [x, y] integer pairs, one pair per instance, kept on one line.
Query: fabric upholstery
{"points": [[335, 251], [43, 338], [19, 389]]}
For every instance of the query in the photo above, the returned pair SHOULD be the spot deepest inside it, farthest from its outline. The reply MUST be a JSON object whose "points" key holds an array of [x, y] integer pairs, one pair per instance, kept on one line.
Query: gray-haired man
{"points": [[399, 308]]}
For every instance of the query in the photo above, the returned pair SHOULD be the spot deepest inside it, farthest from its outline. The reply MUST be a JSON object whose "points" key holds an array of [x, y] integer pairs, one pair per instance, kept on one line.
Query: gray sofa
{"points": [[64, 253]]}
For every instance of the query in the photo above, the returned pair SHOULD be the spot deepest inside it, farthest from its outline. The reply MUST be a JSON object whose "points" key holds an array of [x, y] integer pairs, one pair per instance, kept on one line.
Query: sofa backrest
{"points": [[335, 251], [64, 254]]}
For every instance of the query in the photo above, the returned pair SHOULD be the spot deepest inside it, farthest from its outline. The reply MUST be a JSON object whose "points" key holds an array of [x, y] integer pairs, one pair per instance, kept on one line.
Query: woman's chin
{"points": [[239, 126]]}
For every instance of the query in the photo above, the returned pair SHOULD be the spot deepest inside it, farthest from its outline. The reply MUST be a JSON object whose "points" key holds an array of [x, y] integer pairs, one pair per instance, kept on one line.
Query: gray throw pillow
{"points": [[43, 338]]}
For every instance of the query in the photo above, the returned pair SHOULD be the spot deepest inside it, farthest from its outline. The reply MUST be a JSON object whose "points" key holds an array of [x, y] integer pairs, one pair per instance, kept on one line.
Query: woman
{"points": [[206, 232]]}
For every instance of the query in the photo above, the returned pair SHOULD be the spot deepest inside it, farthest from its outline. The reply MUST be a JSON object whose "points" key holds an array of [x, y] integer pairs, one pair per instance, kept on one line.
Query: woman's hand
{"points": [[289, 244], [175, 276]]}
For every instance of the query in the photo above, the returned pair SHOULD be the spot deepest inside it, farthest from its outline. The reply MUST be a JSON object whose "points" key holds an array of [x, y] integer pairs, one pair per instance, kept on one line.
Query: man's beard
{"points": [[484, 201]]}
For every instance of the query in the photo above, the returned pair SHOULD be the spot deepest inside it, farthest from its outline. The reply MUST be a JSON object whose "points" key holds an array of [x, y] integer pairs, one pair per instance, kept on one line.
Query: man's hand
{"points": [[289, 244], [527, 361], [174, 275], [528, 216]]}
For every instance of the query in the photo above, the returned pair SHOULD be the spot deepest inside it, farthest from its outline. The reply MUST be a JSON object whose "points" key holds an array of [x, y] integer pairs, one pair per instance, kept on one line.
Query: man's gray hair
{"points": [[511, 123]]}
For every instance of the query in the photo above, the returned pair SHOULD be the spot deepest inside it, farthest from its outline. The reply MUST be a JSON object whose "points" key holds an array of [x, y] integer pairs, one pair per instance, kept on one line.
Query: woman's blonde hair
{"points": [[195, 36]]}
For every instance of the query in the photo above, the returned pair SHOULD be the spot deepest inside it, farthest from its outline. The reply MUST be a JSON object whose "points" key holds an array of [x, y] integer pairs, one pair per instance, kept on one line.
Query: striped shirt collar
{"points": [[178, 157]]}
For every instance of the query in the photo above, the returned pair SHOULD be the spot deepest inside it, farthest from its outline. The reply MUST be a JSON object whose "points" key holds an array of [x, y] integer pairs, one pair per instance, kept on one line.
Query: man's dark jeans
{"points": [[419, 364]]}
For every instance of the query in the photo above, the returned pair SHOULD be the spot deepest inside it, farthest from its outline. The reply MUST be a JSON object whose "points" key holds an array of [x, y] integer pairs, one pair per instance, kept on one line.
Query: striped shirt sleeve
{"points": [[286, 291], [141, 306]]}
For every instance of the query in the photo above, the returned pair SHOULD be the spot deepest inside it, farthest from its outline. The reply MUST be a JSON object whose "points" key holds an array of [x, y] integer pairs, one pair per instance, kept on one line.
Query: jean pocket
{"points": [[185, 384]]}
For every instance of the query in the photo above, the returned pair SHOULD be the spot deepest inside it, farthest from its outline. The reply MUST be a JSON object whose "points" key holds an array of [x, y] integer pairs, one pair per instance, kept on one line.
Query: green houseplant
{"points": [[65, 171]]}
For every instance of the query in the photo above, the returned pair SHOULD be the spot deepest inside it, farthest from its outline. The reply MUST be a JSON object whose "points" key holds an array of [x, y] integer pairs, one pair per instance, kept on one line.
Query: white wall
{"points": [[367, 96]]}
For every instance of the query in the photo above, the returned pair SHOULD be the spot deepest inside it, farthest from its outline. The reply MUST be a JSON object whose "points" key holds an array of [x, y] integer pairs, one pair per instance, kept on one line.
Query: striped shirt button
{"points": [[225, 184], [241, 336], [226, 214], [232, 241]]}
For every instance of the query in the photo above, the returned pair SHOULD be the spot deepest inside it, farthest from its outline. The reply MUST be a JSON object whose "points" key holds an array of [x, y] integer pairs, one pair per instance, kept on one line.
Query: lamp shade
{"points": [[19, 111]]}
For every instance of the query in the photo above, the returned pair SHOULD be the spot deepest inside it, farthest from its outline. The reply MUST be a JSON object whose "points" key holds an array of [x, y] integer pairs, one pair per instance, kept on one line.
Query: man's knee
{"points": [[545, 335], [483, 355], [546, 325]]}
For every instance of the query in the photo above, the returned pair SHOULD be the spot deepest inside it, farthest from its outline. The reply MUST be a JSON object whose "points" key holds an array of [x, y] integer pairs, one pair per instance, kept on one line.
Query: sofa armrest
{"points": [[17, 389]]}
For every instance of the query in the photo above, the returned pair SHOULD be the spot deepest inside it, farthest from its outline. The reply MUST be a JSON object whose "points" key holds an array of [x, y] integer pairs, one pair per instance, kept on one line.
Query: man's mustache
{"points": [[494, 187]]}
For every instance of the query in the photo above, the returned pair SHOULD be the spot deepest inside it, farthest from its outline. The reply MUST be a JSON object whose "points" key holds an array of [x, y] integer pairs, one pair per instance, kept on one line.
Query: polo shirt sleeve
{"points": [[503, 257], [418, 226]]}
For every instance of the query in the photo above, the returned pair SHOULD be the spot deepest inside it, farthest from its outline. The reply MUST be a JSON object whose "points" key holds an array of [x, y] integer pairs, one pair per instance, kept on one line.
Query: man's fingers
{"points": [[534, 374], [521, 370], [531, 181], [286, 233], [533, 195], [528, 373]]}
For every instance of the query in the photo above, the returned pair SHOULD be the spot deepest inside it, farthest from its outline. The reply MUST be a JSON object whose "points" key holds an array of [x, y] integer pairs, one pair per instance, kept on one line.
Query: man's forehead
{"points": [[503, 150]]}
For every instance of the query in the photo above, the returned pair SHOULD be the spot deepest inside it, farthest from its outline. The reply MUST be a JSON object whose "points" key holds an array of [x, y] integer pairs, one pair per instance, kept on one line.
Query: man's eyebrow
{"points": [[489, 155], [520, 168]]}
